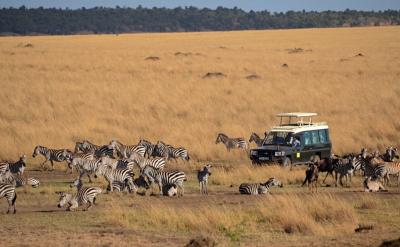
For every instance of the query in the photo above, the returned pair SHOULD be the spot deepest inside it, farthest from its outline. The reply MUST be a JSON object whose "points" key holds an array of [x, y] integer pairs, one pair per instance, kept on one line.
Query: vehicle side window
{"points": [[315, 137], [307, 138], [322, 136]]}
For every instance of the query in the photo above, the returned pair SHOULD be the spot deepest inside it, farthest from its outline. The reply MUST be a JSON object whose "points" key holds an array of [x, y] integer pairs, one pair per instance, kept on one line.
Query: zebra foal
{"points": [[202, 177], [259, 189]]}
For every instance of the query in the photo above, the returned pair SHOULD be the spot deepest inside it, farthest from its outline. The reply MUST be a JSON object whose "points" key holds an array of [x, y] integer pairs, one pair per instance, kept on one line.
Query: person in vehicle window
{"points": [[296, 143]]}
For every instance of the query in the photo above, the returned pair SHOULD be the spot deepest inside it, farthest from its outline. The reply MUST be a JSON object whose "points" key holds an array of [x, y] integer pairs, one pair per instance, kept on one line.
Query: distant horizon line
{"points": [[190, 6]]}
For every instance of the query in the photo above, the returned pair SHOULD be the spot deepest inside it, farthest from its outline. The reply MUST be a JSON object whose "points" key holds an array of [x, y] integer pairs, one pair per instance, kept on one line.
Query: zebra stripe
{"points": [[390, 154], [178, 153], [257, 139], [86, 166], [344, 168], [161, 150], [118, 164], [17, 167], [139, 182], [202, 177], [231, 143], [4, 167], [98, 151], [392, 168], [18, 180], [163, 178], [8, 191], [258, 189], [125, 151], [149, 147], [84, 195], [141, 162], [368, 167], [111, 175], [56, 155]]}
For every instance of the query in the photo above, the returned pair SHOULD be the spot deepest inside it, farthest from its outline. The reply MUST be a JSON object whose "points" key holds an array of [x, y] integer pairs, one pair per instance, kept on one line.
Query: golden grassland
{"points": [[62, 89], [289, 216]]}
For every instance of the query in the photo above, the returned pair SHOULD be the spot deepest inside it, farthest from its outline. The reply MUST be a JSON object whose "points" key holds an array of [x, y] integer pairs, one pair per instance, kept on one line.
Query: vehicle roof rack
{"points": [[300, 115]]}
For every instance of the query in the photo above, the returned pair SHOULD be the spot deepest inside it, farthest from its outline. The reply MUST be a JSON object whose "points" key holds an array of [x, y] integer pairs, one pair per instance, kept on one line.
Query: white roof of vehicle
{"points": [[301, 128], [297, 114]]}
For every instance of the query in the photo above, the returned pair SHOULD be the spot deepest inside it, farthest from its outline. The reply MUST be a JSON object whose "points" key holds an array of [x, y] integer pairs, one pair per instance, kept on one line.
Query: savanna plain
{"points": [[185, 88]]}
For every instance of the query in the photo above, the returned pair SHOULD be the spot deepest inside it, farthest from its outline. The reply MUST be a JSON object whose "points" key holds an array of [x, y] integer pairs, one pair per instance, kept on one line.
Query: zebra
{"points": [[118, 164], [71, 156], [163, 178], [344, 168], [258, 189], [4, 167], [162, 150], [121, 175], [84, 195], [139, 182], [18, 180], [178, 153], [391, 168], [390, 154], [141, 162], [231, 143], [8, 191], [98, 151], [202, 177], [150, 148], [257, 139], [56, 155], [369, 166], [372, 185], [168, 151], [79, 148], [17, 167], [86, 166], [124, 151]]}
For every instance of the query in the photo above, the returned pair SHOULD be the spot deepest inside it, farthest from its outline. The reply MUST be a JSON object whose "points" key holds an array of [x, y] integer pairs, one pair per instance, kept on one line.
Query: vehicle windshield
{"points": [[278, 138]]}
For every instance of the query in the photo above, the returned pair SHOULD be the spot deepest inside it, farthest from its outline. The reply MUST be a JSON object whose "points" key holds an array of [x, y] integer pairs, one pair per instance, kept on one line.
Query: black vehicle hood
{"points": [[273, 147]]}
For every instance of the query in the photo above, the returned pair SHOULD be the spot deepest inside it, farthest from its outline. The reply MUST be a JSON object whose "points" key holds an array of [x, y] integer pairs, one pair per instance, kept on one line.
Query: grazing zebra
{"points": [[257, 139], [390, 154], [258, 189], [311, 177], [8, 191], [98, 151], [84, 195], [202, 176], [150, 148], [178, 153], [18, 180], [162, 150], [391, 168], [85, 166], [163, 178], [231, 143], [141, 162], [56, 155], [344, 168], [139, 182], [124, 151], [121, 175]]}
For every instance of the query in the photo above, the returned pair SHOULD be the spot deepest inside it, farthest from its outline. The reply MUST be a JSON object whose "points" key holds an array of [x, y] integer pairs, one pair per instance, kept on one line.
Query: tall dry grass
{"points": [[99, 87], [322, 215]]}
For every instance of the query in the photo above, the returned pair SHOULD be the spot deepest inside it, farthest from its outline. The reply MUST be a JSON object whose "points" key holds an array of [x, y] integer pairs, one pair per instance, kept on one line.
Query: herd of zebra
{"points": [[375, 168], [115, 162]]}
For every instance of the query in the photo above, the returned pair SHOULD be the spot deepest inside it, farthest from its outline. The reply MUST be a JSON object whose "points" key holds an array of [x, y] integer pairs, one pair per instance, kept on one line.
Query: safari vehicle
{"points": [[294, 141]]}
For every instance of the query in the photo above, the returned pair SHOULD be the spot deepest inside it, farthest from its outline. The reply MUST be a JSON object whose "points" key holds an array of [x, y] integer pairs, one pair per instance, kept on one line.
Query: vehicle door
{"points": [[307, 147]]}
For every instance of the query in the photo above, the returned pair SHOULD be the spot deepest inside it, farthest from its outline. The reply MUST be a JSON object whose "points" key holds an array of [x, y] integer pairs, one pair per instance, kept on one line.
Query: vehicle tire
{"points": [[286, 162]]}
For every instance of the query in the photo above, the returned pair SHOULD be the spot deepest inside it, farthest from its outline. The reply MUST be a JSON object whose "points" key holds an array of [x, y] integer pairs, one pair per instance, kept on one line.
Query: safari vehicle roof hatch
{"points": [[298, 116]]}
